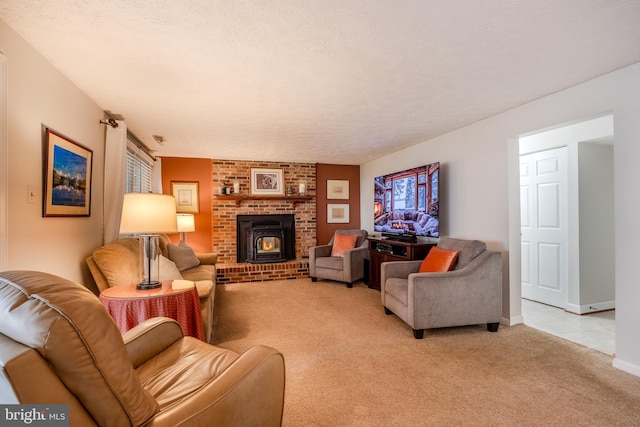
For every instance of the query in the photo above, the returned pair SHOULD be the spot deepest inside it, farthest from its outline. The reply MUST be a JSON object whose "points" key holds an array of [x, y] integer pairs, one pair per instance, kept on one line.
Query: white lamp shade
{"points": [[186, 223], [148, 213]]}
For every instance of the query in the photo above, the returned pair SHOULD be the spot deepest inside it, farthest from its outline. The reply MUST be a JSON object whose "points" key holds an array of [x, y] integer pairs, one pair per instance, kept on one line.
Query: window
{"points": [[404, 193], [434, 186], [407, 192], [422, 198], [139, 168]]}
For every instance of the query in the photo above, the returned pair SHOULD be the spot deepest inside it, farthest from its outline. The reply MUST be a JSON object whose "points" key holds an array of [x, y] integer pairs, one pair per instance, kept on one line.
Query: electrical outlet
{"points": [[31, 195]]}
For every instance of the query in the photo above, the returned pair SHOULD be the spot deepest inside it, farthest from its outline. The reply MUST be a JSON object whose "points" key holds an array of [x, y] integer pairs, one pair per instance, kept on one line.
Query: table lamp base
{"points": [[148, 285]]}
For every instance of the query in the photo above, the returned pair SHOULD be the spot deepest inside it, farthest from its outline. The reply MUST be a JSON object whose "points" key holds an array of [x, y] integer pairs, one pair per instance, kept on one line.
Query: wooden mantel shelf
{"points": [[238, 198]]}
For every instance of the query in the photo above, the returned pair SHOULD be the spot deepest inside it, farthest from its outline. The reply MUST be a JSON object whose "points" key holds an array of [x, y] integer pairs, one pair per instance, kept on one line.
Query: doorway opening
{"points": [[567, 238]]}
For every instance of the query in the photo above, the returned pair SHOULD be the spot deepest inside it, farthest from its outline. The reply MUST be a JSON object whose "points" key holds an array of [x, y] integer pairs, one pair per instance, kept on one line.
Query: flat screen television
{"points": [[406, 203]]}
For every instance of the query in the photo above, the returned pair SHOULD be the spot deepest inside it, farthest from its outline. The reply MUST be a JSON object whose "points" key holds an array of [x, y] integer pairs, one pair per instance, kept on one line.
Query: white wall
{"points": [[39, 94], [480, 195], [597, 243]]}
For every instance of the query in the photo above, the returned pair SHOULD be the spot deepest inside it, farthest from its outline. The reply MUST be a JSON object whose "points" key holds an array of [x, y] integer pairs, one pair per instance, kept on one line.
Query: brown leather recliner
{"points": [[58, 345]]}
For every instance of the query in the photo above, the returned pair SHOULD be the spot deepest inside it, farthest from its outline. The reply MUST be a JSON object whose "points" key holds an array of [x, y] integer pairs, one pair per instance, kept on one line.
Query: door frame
{"points": [[4, 167], [514, 295]]}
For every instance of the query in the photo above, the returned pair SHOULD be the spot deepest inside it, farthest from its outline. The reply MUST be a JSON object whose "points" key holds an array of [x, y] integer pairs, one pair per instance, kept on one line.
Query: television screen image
{"points": [[406, 202]]}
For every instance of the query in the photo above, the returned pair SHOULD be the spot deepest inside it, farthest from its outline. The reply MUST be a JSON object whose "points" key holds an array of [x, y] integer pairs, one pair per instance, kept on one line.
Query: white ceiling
{"points": [[328, 81]]}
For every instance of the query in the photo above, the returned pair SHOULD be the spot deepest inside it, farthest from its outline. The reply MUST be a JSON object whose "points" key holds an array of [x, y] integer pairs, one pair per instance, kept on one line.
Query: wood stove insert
{"points": [[265, 238]]}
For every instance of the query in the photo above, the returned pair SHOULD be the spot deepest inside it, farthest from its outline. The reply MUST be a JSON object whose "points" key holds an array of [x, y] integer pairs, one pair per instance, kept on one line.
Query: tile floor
{"points": [[595, 330]]}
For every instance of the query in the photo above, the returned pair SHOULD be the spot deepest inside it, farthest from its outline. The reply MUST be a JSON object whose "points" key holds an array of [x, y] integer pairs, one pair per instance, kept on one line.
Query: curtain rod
{"points": [[111, 121], [133, 138]]}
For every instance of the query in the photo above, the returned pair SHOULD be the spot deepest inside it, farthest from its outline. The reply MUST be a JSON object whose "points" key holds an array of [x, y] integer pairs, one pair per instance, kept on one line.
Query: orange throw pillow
{"points": [[342, 242], [438, 260]]}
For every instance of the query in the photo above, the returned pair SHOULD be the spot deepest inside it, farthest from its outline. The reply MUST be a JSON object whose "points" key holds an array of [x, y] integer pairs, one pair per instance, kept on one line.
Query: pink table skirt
{"points": [[129, 306]]}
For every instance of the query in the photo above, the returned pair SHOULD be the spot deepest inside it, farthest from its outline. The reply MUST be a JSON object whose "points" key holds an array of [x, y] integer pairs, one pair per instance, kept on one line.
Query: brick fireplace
{"points": [[225, 213]]}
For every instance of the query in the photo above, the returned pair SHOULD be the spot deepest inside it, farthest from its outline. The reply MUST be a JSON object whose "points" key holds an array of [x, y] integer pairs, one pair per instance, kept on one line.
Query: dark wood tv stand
{"points": [[385, 250]]}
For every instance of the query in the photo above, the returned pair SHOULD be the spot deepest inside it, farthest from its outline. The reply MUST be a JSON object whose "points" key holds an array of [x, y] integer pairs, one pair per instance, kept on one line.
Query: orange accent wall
{"points": [[192, 170], [351, 173]]}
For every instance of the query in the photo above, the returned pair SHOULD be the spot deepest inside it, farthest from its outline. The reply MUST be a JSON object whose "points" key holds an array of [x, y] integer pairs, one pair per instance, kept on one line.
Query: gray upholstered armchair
{"points": [[346, 268], [471, 294]]}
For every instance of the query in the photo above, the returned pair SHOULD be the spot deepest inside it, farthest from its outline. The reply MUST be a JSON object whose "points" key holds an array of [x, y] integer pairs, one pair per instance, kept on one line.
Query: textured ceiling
{"points": [[329, 81]]}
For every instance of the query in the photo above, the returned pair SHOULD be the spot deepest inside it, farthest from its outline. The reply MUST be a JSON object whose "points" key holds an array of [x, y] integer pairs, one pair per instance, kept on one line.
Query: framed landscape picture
{"points": [[267, 181], [67, 177]]}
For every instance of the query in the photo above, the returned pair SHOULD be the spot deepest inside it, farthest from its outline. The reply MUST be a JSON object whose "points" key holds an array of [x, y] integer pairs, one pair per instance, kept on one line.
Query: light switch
{"points": [[31, 195]]}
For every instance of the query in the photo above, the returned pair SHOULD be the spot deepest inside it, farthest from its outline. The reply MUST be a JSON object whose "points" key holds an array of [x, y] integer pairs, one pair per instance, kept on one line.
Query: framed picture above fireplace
{"points": [[267, 181]]}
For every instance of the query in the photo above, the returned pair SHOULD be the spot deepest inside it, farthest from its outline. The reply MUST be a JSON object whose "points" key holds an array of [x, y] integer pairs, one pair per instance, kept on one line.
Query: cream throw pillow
{"points": [[168, 270]]}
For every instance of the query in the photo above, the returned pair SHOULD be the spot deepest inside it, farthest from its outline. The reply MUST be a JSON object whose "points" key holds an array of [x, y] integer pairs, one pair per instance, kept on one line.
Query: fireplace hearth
{"points": [[264, 239]]}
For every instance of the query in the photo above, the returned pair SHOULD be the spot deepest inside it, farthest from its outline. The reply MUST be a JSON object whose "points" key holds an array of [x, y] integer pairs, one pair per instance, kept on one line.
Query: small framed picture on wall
{"points": [[187, 197], [338, 189], [338, 213]]}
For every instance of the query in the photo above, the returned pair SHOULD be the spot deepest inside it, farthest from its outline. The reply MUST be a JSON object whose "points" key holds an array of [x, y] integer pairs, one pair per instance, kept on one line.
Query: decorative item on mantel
{"points": [[289, 190], [236, 187], [302, 188]]}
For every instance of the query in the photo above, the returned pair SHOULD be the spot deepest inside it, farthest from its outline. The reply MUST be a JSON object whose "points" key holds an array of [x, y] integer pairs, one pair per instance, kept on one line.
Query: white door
{"points": [[544, 228]]}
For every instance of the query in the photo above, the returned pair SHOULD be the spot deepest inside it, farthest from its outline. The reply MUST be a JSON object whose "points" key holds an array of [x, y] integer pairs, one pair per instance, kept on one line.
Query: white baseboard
{"points": [[591, 308], [627, 367], [512, 321]]}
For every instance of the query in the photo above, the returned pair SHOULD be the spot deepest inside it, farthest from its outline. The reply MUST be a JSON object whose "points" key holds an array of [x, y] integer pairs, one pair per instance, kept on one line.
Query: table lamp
{"points": [[186, 224], [148, 215]]}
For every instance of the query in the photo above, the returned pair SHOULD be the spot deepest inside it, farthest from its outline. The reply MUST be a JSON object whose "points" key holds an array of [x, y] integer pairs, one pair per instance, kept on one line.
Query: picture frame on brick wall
{"points": [[267, 181]]}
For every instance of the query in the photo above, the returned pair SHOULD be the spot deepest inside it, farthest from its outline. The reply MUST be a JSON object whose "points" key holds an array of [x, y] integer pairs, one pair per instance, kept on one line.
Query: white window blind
{"points": [[139, 168]]}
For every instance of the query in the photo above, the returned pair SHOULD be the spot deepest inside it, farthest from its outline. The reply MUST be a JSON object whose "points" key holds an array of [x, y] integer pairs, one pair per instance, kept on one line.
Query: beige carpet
{"points": [[348, 364]]}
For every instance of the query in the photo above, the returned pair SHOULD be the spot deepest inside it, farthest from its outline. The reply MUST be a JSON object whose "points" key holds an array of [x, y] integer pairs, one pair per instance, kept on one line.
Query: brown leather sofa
{"points": [[117, 263], [58, 345]]}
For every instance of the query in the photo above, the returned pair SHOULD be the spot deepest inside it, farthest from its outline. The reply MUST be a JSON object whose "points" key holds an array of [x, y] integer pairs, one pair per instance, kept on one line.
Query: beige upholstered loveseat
{"points": [[58, 345], [117, 263]]}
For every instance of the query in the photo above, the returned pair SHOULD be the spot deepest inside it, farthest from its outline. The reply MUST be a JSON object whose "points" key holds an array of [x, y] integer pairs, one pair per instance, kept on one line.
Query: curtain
{"points": [[115, 179], [156, 176]]}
